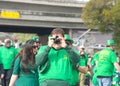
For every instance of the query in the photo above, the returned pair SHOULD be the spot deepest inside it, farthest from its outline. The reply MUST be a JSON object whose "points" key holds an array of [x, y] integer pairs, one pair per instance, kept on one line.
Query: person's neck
{"points": [[7, 46]]}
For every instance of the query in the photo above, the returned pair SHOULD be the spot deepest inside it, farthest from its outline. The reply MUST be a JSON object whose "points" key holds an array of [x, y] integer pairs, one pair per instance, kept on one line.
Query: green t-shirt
{"points": [[93, 63], [7, 56], [30, 78], [60, 66], [106, 60], [0, 57], [94, 59], [17, 50], [83, 60]]}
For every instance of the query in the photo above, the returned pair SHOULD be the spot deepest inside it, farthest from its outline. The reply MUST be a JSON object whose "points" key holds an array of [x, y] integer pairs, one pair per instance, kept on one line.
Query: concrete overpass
{"points": [[41, 14]]}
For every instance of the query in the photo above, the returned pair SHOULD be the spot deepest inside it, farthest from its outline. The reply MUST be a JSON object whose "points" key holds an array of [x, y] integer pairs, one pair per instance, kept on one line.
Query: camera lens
{"points": [[56, 40]]}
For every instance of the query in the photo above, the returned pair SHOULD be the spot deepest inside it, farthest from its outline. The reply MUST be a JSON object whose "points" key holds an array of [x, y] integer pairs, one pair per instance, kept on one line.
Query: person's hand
{"points": [[2, 76], [82, 70], [63, 43], [50, 42]]}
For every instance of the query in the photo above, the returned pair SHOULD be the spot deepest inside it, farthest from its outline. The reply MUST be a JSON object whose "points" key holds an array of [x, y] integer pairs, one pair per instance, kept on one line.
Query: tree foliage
{"points": [[115, 16], [103, 15], [23, 37]]}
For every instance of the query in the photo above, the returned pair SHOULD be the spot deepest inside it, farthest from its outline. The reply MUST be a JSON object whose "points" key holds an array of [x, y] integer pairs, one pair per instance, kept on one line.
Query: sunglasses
{"points": [[35, 46]]}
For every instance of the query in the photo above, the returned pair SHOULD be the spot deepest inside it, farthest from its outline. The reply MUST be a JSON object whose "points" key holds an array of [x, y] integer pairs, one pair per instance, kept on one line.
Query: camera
{"points": [[56, 40]]}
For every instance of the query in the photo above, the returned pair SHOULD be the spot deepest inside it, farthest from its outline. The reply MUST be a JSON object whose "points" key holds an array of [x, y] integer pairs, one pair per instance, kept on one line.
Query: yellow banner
{"points": [[10, 14]]}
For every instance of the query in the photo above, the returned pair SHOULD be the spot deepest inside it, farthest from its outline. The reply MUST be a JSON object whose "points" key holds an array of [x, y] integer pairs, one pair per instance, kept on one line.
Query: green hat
{"points": [[34, 38], [67, 38], [110, 42], [49, 36]]}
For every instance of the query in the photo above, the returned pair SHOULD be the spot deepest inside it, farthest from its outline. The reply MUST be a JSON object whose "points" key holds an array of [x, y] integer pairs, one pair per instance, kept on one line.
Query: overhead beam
{"points": [[41, 23]]}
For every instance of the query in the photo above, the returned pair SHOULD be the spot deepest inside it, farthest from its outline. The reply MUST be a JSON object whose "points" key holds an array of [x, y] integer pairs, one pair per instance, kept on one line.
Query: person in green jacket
{"points": [[107, 60], [1, 69], [25, 71], [75, 72], [59, 59], [7, 54]]}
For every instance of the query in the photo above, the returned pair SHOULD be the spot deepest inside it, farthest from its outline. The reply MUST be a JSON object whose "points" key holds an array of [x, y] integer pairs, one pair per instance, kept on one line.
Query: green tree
{"points": [[115, 16], [103, 15], [23, 37]]}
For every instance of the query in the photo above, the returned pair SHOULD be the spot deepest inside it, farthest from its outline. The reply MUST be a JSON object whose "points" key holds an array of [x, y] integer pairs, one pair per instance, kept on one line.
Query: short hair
{"points": [[7, 40], [58, 31]]}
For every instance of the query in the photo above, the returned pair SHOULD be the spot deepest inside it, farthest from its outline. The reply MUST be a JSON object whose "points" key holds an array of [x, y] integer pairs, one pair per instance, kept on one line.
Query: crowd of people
{"points": [[57, 63]]}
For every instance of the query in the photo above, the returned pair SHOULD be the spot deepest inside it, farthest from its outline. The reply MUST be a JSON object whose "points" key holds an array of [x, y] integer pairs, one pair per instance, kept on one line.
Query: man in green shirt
{"points": [[83, 64], [107, 60], [7, 54], [59, 59]]}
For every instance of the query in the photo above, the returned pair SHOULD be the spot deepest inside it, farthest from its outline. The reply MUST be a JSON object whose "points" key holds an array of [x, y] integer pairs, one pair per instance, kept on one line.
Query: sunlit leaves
{"points": [[103, 15], [96, 15]]}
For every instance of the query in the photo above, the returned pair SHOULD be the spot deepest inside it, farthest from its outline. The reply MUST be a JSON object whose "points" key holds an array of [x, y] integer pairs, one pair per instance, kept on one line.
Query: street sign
{"points": [[10, 14]]}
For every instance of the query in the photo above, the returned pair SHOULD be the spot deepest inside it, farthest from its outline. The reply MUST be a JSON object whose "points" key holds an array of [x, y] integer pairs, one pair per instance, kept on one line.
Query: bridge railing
{"points": [[40, 16], [69, 3], [65, 1], [44, 13]]}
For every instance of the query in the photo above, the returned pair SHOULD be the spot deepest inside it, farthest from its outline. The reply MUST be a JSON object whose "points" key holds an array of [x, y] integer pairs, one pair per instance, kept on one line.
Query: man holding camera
{"points": [[55, 61]]}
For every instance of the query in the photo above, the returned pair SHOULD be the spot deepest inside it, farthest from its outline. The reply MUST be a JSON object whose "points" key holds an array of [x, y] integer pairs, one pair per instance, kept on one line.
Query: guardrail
{"points": [[44, 13], [70, 3]]}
